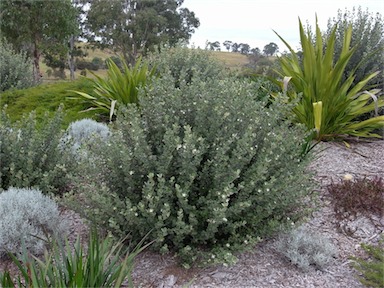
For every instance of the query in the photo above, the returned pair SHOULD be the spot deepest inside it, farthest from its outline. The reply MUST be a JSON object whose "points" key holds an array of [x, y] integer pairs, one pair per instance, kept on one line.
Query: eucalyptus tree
{"points": [[270, 49], [227, 44], [213, 46], [134, 27], [38, 27], [235, 47], [244, 48]]}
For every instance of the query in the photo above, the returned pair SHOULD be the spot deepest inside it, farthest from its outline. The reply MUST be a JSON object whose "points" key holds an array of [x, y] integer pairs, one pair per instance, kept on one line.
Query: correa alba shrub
{"points": [[204, 167], [15, 68], [27, 218], [31, 156], [185, 64]]}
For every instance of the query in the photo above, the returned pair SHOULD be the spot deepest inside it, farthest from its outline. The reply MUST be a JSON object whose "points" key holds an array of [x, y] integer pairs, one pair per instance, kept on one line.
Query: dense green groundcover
{"points": [[47, 98]]}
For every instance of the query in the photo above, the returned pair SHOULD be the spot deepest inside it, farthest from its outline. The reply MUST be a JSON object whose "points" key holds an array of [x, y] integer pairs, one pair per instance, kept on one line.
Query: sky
{"points": [[253, 21]]}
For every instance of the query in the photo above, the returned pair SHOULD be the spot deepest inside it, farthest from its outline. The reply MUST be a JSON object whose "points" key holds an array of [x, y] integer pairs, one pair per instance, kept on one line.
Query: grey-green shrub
{"points": [[367, 37], [306, 248], [185, 64], [84, 131], [27, 218], [30, 155], [205, 167], [15, 68]]}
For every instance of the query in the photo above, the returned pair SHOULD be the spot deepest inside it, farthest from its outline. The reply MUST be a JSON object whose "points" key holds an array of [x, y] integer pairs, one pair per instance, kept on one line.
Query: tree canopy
{"points": [[270, 49], [38, 27], [134, 27]]}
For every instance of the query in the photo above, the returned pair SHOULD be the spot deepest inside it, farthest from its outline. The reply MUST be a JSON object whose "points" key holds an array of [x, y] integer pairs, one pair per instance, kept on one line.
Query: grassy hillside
{"points": [[47, 97], [230, 60], [53, 92]]}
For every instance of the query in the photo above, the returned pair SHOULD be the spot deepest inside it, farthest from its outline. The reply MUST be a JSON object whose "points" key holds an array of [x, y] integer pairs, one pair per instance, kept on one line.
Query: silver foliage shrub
{"points": [[26, 216], [203, 166], [85, 131], [306, 248]]}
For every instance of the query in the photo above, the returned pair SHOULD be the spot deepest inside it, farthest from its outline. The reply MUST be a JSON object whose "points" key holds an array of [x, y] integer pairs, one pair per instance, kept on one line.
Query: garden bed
{"points": [[262, 266]]}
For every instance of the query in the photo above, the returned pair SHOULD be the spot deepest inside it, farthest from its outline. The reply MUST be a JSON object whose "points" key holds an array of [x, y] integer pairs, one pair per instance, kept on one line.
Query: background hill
{"points": [[231, 60]]}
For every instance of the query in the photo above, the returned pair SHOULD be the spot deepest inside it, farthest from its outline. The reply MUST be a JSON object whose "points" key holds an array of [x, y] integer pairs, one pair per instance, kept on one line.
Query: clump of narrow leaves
{"points": [[358, 196], [325, 103], [372, 269], [121, 87], [103, 264]]}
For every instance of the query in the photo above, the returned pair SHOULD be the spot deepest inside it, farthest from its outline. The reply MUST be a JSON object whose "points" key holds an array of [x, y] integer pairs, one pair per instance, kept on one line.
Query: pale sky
{"points": [[253, 21]]}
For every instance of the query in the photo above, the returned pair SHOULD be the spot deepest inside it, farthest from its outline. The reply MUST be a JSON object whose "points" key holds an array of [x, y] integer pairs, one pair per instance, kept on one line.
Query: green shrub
{"points": [[102, 264], [371, 268], [367, 36], [30, 154], [86, 65], [27, 218], [327, 105], [47, 98], [185, 64], [15, 68], [117, 60], [204, 166], [306, 248]]}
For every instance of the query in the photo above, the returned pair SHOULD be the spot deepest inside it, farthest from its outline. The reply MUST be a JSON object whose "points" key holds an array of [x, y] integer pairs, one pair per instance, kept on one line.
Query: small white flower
{"points": [[228, 245], [225, 219], [131, 172], [348, 177]]}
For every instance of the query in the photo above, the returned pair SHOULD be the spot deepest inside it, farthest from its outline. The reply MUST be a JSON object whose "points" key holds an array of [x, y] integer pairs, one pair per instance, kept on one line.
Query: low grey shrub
{"points": [[204, 167], [27, 218], [306, 249], [15, 68], [85, 131], [30, 155]]}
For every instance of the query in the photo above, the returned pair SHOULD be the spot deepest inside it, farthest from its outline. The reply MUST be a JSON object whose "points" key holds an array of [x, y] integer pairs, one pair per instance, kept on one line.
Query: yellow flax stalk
{"points": [[317, 110]]}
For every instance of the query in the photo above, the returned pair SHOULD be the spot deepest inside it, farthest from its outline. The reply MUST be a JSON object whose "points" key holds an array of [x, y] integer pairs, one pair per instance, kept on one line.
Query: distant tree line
{"points": [[243, 48]]}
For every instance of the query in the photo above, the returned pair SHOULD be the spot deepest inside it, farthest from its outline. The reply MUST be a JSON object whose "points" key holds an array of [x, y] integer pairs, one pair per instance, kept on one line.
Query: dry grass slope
{"points": [[231, 60]]}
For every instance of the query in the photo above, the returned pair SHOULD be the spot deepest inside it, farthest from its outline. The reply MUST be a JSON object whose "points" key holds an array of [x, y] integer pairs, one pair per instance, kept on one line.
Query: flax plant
{"points": [[326, 104], [121, 87], [104, 264]]}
